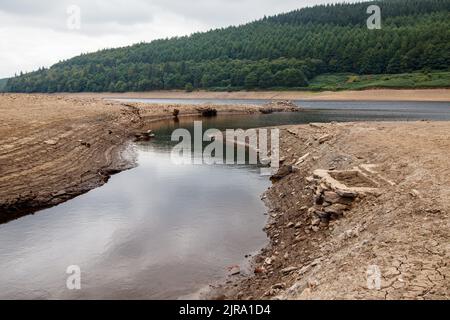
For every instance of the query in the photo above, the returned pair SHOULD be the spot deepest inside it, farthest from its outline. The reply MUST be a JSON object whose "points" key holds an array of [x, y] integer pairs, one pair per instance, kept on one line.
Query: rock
{"points": [[322, 215], [278, 286], [315, 221], [316, 262], [86, 144], [324, 138], [59, 193], [290, 225], [304, 270], [318, 199], [282, 172], [259, 270], [331, 197], [234, 270], [266, 161], [351, 234], [51, 142], [298, 225], [288, 270], [270, 292], [347, 193], [268, 261], [302, 159], [324, 223], [313, 283], [266, 110], [207, 112], [336, 209], [309, 179]]}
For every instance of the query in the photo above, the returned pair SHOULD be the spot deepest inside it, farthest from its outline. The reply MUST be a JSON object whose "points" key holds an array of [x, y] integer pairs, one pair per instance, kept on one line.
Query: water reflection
{"points": [[157, 231]]}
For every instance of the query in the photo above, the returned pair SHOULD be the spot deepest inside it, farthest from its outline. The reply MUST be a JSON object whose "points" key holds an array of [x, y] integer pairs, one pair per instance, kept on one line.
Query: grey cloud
{"points": [[94, 13]]}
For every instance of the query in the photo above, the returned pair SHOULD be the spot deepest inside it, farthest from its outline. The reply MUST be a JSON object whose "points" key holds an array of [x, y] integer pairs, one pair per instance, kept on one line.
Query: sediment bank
{"points": [[358, 200], [437, 95]]}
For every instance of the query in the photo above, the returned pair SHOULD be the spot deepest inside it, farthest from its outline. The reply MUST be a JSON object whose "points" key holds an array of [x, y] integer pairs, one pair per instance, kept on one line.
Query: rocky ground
{"points": [[354, 201], [53, 148]]}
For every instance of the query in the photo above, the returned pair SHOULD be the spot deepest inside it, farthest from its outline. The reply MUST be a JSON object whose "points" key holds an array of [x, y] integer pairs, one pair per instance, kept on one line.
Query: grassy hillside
{"points": [[346, 81], [285, 51]]}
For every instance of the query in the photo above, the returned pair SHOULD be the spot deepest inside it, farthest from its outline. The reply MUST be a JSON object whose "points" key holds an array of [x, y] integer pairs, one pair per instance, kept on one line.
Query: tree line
{"points": [[283, 51]]}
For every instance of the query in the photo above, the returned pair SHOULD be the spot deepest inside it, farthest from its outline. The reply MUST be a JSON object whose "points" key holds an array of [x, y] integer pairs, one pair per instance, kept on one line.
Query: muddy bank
{"points": [[325, 239], [364, 95], [53, 148]]}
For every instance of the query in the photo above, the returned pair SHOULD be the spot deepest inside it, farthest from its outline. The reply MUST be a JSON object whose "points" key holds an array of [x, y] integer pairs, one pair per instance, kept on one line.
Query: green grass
{"points": [[347, 81], [350, 81]]}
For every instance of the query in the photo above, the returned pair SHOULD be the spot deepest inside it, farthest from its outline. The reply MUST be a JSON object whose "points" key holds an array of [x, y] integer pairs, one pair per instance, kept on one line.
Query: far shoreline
{"points": [[382, 95]]}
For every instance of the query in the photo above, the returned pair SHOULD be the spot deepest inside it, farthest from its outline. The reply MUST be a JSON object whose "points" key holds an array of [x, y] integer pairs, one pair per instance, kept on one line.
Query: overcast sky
{"points": [[36, 33]]}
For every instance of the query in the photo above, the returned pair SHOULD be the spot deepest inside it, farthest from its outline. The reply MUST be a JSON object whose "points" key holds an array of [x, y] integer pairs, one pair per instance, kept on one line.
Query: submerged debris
{"points": [[207, 112], [144, 136], [286, 105]]}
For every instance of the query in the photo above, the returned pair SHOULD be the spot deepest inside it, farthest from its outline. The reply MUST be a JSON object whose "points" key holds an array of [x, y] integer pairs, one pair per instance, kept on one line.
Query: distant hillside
{"points": [[283, 51]]}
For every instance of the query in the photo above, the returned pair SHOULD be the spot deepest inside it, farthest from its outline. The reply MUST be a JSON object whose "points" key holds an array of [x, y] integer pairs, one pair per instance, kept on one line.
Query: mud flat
{"points": [[354, 203], [53, 148], [363, 95]]}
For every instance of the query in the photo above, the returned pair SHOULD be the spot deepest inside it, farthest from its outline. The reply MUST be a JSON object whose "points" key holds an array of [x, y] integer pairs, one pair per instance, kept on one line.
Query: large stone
{"points": [[282, 172], [333, 197], [347, 193], [289, 270], [336, 209], [322, 215], [324, 138]]}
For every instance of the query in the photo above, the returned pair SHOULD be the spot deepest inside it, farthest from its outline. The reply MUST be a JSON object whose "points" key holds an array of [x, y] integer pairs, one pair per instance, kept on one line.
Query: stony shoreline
{"points": [[369, 196]]}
